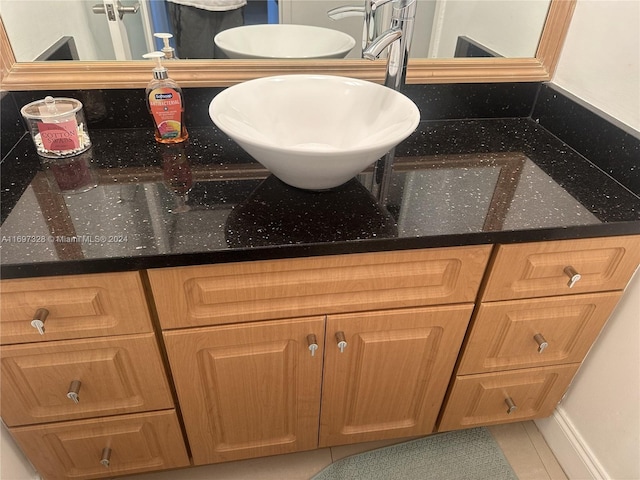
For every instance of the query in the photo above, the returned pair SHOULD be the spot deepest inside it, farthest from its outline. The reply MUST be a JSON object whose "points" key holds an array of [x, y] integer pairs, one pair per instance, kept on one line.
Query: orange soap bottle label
{"points": [[166, 107]]}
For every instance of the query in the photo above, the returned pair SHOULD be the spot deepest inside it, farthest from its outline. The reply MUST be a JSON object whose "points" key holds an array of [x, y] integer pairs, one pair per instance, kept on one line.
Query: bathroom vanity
{"points": [[197, 310]]}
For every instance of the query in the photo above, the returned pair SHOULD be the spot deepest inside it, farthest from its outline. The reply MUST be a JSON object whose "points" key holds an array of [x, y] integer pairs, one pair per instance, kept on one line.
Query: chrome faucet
{"points": [[398, 40], [368, 11]]}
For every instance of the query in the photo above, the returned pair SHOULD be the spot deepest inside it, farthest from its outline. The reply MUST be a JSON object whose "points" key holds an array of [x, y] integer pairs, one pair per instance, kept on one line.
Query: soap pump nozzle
{"points": [[159, 72], [168, 50]]}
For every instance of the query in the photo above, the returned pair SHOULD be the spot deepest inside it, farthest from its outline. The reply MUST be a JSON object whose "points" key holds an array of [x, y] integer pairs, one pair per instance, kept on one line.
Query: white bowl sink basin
{"points": [[314, 131], [284, 41]]}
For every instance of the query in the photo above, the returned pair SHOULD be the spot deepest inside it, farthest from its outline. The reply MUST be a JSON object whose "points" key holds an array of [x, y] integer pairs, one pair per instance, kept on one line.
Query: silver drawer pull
{"points": [[312, 341], [542, 343], [39, 318], [106, 457], [342, 342], [511, 404], [573, 275], [74, 390]]}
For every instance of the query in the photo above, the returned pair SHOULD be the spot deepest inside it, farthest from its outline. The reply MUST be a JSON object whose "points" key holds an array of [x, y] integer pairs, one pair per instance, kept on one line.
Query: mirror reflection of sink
{"points": [[277, 214], [314, 131], [284, 41]]}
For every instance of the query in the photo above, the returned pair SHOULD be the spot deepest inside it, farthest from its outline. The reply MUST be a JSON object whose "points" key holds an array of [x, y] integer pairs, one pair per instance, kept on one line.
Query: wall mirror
{"points": [[520, 57]]}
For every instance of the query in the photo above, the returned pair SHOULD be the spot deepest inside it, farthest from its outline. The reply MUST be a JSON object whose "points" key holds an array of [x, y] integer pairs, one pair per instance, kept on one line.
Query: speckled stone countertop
{"points": [[454, 183]]}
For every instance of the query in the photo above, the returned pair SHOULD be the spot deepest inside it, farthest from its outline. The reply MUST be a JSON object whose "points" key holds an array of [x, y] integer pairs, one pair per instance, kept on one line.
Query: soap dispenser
{"points": [[165, 103], [167, 49]]}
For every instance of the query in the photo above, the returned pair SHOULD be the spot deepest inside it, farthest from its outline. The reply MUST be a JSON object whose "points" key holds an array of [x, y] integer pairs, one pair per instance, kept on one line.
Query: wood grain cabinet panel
{"points": [[274, 289], [74, 450], [390, 379], [529, 333], [79, 306], [483, 399], [248, 390], [543, 269], [115, 374]]}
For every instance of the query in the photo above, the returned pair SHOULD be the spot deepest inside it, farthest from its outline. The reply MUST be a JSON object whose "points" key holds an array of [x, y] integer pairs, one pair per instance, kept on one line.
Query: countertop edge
{"points": [[112, 265]]}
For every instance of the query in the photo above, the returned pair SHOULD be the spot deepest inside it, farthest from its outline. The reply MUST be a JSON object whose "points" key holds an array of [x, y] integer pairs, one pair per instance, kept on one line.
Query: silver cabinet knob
{"points": [[106, 457], [542, 343], [312, 341], [39, 318], [74, 390], [342, 342], [573, 275], [512, 407]]}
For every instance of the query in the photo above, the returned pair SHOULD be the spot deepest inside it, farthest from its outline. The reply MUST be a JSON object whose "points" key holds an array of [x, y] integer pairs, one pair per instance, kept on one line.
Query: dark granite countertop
{"points": [[456, 182]]}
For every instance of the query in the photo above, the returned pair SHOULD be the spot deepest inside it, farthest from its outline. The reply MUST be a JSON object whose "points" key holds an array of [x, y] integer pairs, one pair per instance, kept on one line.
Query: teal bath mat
{"points": [[470, 454]]}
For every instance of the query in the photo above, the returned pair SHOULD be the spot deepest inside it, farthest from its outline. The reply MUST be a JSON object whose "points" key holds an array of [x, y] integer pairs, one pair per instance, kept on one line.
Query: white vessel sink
{"points": [[314, 131], [284, 41]]}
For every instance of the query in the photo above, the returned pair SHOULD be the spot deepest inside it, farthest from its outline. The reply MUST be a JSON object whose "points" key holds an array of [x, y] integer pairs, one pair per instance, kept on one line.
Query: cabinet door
{"points": [[503, 397], [390, 378], [75, 450], [537, 332], [112, 375], [248, 390]]}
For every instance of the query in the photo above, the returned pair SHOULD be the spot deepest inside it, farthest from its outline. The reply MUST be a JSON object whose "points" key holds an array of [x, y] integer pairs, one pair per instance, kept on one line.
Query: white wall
{"points": [[509, 28], [34, 25], [13, 464], [600, 61], [595, 431]]}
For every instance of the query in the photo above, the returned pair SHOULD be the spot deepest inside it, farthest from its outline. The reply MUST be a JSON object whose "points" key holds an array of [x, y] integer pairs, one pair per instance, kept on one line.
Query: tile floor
{"points": [[522, 444]]}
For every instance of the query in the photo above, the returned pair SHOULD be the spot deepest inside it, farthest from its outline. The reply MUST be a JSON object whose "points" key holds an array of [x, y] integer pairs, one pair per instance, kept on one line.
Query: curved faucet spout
{"points": [[398, 40], [374, 50], [370, 26], [346, 11]]}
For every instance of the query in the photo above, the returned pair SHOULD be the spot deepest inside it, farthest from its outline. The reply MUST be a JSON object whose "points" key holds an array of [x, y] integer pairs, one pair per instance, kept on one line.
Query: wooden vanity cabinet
{"points": [[246, 343], [91, 378], [542, 307], [271, 357]]}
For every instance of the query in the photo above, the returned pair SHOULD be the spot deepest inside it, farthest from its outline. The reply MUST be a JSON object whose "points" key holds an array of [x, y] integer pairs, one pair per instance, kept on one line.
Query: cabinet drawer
{"points": [[248, 291], [74, 450], [116, 374], [483, 399], [531, 333], [78, 306], [545, 268]]}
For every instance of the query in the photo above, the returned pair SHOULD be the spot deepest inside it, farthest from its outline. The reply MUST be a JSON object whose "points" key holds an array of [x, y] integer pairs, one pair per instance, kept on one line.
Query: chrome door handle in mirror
{"points": [[110, 10]]}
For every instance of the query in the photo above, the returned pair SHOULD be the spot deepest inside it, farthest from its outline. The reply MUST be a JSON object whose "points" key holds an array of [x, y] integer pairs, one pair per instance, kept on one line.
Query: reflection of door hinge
{"points": [[110, 11]]}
